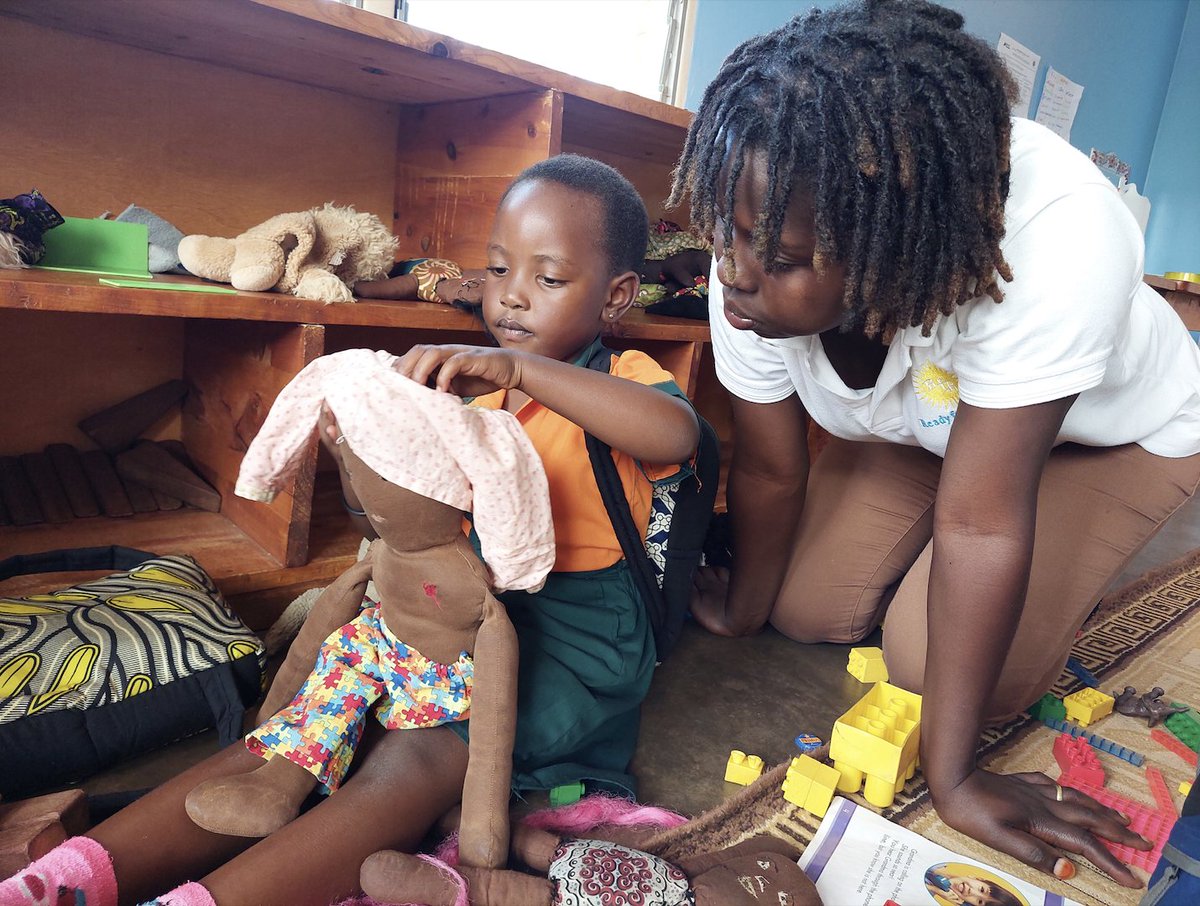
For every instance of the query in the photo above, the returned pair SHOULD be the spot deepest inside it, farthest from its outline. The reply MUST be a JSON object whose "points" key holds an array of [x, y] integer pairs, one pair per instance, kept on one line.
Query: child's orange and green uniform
{"points": [[587, 651]]}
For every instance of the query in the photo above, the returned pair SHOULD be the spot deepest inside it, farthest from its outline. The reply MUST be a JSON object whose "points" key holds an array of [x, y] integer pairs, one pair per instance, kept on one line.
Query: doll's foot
{"points": [[251, 805], [394, 877]]}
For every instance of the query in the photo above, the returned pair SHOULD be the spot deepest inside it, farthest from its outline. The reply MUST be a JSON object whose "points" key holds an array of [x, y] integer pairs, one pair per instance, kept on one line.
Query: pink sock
{"points": [[189, 894], [77, 871]]}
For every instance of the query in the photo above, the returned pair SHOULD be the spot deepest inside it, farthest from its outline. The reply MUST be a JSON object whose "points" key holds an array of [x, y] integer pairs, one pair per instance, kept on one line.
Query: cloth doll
{"points": [[574, 871], [315, 254], [437, 646]]}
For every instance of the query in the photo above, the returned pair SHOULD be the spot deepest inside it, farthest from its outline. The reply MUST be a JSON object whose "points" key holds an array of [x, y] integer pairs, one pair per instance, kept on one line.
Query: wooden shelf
{"points": [[231, 557], [327, 45], [76, 292]]}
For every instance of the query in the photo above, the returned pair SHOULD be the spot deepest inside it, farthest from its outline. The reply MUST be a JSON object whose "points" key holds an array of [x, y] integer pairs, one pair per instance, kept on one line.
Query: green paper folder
{"points": [[173, 287], [94, 246]]}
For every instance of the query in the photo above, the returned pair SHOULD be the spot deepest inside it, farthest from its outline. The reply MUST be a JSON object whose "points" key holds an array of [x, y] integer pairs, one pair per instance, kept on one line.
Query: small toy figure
{"points": [[1149, 705]]}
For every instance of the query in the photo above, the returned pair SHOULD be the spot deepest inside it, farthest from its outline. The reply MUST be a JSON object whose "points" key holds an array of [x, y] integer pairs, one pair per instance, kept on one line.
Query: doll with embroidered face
{"points": [[437, 646]]}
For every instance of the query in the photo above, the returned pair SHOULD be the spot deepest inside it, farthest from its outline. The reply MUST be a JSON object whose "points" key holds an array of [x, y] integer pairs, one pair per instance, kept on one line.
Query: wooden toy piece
{"points": [[1158, 788], [141, 498], [116, 427], [48, 490], [1088, 705], [154, 467], [1169, 742], [810, 784], [742, 768], [1077, 761], [105, 483], [69, 469], [31, 828], [18, 496], [874, 745], [866, 665]]}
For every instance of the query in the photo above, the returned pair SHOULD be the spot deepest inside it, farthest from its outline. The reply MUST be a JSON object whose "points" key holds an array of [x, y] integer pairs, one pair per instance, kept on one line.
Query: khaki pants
{"points": [[863, 549]]}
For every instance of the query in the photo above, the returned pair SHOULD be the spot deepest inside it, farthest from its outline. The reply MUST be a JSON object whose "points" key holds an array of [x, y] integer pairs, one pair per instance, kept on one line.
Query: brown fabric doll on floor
{"points": [[579, 872], [437, 646]]}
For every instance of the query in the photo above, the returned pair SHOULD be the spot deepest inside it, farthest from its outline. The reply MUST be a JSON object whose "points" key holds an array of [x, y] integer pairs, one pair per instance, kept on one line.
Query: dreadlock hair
{"points": [[897, 123], [626, 224]]}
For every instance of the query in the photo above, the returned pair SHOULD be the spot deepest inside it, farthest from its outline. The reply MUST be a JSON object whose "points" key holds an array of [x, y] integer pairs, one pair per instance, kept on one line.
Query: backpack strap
{"points": [[112, 557], [608, 480]]}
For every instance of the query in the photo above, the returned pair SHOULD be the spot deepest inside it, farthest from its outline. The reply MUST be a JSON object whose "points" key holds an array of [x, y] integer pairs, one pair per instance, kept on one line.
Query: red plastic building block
{"points": [[1158, 787], [1077, 761], [1150, 823], [1167, 741]]}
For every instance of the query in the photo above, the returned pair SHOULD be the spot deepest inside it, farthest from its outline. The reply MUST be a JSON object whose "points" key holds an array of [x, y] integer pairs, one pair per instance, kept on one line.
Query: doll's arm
{"points": [[337, 605], [484, 831]]}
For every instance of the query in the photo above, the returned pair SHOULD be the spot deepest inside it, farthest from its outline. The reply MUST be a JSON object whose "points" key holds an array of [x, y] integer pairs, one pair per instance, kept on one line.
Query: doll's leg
{"points": [[404, 781], [393, 877], [312, 740]]}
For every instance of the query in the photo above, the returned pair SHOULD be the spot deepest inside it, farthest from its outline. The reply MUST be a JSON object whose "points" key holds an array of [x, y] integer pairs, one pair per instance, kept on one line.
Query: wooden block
{"points": [[21, 844], [154, 467], [69, 469], [68, 806], [165, 501], [51, 496], [106, 484], [17, 493], [141, 498], [116, 427]]}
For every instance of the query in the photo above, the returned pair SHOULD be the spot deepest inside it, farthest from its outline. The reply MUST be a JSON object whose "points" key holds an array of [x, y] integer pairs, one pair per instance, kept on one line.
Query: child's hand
{"points": [[464, 370], [329, 432]]}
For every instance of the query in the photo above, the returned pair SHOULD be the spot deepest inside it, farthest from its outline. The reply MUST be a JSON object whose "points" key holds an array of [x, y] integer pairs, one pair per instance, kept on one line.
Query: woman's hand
{"points": [[464, 370], [1019, 814]]}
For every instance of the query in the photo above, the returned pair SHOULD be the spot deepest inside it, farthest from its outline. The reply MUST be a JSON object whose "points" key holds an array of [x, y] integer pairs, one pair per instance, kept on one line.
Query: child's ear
{"points": [[622, 291]]}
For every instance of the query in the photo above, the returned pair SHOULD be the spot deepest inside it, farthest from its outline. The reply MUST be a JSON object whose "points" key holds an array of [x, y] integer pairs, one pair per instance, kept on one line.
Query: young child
{"points": [[568, 239], [566, 246]]}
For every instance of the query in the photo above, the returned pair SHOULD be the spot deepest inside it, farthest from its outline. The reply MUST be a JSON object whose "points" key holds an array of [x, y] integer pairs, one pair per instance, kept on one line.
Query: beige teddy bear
{"points": [[316, 254]]}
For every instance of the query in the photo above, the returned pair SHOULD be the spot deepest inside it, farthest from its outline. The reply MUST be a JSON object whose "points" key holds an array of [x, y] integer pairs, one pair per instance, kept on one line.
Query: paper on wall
{"points": [[858, 858], [1023, 64], [1059, 103]]}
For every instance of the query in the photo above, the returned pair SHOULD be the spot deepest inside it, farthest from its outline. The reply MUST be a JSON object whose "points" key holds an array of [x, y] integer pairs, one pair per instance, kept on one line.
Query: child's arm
{"points": [[636, 419]]}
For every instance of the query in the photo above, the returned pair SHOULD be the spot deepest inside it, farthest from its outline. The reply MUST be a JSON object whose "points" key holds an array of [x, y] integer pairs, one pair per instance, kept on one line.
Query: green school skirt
{"points": [[587, 656]]}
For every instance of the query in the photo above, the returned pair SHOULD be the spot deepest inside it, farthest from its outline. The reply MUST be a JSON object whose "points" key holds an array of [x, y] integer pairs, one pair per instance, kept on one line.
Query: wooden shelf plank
{"points": [[74, 292], [329, 45]]}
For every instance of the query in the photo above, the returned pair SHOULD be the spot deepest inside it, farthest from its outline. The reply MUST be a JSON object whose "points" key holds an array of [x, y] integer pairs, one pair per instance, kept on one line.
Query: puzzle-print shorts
{"points": [[360, 665]]}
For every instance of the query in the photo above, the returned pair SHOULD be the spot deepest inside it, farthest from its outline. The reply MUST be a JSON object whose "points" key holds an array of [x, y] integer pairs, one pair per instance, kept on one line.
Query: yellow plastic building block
{"points": [[874, 745], [1088, 705], [1185, 787], [866, 665], [743, 768], [810, 785]]}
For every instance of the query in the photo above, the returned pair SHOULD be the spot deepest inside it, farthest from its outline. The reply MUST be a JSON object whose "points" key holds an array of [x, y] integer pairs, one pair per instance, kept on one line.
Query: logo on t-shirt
{"points": [[936, 386]]}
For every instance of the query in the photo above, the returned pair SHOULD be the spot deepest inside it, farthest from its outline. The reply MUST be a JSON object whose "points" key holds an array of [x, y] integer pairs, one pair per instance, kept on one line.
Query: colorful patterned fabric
{"points": [[27, 217], [360, 665], [595, 873]]}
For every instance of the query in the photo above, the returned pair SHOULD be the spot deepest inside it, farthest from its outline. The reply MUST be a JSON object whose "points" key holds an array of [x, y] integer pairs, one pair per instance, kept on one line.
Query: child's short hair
{"points": [[626, 229]]}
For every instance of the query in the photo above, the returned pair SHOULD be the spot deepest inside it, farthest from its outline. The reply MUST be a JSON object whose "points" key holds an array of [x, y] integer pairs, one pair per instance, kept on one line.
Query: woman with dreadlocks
{"points": [[900, 261]]}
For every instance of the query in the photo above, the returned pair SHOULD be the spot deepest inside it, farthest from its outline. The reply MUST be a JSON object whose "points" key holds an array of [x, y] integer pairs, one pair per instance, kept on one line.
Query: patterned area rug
{"points": [[1147, 634]]}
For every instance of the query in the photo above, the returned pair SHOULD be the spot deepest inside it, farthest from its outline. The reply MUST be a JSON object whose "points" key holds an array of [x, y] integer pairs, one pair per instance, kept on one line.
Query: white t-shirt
{"points": [[1077, 318]]}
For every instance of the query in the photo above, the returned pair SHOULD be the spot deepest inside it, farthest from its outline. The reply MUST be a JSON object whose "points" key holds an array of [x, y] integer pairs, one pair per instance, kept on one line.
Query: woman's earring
{"points": [[729, 266]]}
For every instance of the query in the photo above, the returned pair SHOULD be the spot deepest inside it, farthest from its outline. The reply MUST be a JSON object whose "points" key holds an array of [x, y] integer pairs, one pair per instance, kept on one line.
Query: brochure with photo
{"points": [[858, 858]]}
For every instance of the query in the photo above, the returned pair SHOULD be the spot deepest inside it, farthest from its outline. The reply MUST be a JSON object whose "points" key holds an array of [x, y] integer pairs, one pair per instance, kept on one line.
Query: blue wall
{"points": [[1173, 236], [1124, 53]]}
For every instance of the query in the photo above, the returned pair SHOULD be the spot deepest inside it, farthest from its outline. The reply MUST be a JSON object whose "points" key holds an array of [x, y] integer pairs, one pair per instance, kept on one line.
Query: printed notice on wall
{"points": [[1022, 63], [1059, 103]]}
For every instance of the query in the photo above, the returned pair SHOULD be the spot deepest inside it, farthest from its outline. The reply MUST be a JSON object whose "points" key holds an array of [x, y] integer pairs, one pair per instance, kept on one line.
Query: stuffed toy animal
{"points": [[595, 872], [316, 254], [437, 646]]}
